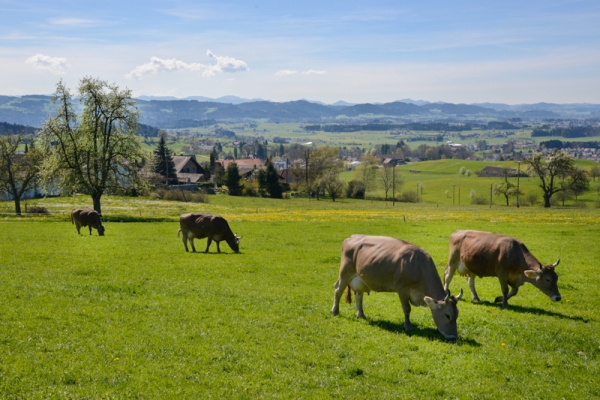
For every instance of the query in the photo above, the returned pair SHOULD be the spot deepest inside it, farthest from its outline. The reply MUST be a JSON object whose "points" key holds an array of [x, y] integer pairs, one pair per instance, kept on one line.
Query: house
{"points": [[496, 172], [188, 170], [246, 166], [392, 160]]}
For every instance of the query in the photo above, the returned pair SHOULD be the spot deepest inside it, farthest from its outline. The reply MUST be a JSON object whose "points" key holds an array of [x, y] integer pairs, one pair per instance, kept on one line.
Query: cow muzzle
{"points": [[556, 298]]}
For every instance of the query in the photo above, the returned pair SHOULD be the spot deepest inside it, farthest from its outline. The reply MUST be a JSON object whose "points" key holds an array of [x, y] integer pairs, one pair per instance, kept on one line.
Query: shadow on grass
{"points": [[531, 310], [215, 253], [427, 333]]}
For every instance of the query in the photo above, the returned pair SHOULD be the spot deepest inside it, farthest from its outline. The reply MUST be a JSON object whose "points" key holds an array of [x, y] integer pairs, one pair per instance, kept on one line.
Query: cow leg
{"points": [[208, 244], [451, 268], [90, 230], [78, 226], [513, 291], [359, 305], [471, 280], [184, 239], [347, 271], [504, 287], [192, 244], [218, 248], [405, 301]]}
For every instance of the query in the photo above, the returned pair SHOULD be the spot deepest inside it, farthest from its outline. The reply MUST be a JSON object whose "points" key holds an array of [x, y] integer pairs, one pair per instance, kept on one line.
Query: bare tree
{"points": [[18, 172], [595, 172], [96, 151], [367, 172], [390, 179]]}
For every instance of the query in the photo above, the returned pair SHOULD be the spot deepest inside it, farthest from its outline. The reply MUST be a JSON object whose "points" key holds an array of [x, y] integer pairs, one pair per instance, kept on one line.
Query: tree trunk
{"points": [[546, 201], [17, 205], [96, 199]]}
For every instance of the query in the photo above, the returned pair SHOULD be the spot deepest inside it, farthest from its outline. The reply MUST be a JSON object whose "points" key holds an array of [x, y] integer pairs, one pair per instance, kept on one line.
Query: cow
{"points": [[89, 218], [480, 254], [385, 264], [200, 226]]}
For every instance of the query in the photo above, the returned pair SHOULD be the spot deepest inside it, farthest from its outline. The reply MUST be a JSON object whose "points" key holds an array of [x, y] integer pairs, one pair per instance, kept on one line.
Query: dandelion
{"points": [[116, 358], [503, 344]]}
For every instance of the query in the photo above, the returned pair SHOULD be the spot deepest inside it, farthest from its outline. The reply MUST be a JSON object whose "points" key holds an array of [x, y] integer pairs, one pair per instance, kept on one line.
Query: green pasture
{"points": [[440, 176], [131, 314]]}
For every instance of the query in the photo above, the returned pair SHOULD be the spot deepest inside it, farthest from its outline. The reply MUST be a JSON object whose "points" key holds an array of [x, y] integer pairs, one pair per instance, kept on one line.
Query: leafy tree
{"points": [[462, 171], [162, 162], [506, 189], [233, 180], [355, 189], [549, 170], [578, 182], [320, 162], [18, 172], [595, 172], [332, 184], [97, 150]]}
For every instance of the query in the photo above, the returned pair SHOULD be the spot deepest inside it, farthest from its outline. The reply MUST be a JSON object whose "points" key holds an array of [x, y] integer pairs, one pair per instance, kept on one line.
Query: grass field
{"points": [[131, 314]]}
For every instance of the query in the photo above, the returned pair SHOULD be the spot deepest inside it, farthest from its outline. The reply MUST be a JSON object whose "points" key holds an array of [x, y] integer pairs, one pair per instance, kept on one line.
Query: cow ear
{"points": [[431, 303], [532, 274]]}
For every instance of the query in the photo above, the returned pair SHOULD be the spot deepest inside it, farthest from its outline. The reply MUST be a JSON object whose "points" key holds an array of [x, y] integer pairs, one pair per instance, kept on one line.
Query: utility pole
{"points": [[307, 156], [459, 195], [518, 176], [453, 190], [490, 196], [394, 184]]}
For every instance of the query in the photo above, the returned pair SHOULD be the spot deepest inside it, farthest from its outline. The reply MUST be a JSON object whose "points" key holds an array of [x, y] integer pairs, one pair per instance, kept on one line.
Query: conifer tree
{"points": [[232, 180], [163, 161]]}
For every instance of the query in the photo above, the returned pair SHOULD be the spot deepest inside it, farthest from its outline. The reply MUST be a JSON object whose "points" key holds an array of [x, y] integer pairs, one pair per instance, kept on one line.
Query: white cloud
{"points": [[56, 65], [76, 22], [285, 72], [224, 64], [314, 72]]}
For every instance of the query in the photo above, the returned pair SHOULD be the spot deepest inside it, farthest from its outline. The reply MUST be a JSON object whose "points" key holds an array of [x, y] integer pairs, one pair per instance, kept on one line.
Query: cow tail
{"points": [[178, 232], [72, 221], [349, 295]]}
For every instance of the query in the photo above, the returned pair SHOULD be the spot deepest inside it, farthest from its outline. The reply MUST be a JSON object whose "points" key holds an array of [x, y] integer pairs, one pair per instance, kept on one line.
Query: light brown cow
{"points": [[476, 253], [385, 264], [89, 218], [200, 226]]}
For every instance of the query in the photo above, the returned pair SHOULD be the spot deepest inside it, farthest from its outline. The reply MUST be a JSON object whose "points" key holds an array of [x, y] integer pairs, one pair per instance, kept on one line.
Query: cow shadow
{"points": [[216, 253], [531, 310], [427, 333]]}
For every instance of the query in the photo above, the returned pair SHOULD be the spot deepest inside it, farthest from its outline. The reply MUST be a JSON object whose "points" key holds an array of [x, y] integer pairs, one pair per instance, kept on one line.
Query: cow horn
{"points": [[447, 296], [459, 295], [556, 263]]}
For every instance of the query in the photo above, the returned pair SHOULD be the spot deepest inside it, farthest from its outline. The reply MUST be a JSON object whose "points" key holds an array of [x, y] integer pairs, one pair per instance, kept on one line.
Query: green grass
{"points": [[132, 315]]}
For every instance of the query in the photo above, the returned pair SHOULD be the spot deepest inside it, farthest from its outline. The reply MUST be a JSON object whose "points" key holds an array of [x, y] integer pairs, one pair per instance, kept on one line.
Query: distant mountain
{"points": [[169, 113], [415, 102], [223, 99]]}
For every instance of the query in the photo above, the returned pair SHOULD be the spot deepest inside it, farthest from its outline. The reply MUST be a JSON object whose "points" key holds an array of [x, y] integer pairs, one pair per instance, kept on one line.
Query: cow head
{"points": [[445, 314], [235, 243], [100, 230], [546, 280]]}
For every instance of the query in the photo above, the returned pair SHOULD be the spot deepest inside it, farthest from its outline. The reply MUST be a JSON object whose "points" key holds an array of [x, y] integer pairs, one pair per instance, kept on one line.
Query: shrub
{"points": [[178, 195], [579, 204], [409, 196], [597, 203], [479, 199], [38, 210], [355, 190]]}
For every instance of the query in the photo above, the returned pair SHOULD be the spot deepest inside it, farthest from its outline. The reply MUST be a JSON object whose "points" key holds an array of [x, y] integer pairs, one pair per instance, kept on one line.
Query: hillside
{"points": [[33, 110]]}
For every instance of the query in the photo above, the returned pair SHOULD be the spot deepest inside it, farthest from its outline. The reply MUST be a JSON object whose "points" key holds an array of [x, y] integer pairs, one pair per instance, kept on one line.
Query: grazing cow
{"points": [[385, 264], [476, 253], [89, 218], [200, 226]]}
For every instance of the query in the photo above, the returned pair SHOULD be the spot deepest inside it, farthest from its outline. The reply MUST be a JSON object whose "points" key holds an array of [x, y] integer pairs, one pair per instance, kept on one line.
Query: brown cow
{"points": [[89, 218], [476, 253], [200, 226], [385, 264]]}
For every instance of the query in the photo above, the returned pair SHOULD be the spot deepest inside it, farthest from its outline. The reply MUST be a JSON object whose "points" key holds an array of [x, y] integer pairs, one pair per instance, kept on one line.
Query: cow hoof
{"points": [[476, 300], [361, 316], [408, 328], [499, 299], [335, 311]]}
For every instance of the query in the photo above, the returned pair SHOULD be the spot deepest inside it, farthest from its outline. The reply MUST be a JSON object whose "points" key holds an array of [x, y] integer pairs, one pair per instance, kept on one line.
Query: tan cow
{"points": [[385, 264], [89, 218], [200, 226], [481, 254]]}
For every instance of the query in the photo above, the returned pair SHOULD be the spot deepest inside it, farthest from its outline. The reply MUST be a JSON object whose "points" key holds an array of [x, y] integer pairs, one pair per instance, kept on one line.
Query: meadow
{"points": [[131, 314]]}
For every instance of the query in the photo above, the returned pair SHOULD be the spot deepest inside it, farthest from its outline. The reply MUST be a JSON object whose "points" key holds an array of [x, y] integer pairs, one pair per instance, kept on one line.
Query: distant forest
{"points": [[559, 144], [567, 132], [12, 129], [414, 126]]}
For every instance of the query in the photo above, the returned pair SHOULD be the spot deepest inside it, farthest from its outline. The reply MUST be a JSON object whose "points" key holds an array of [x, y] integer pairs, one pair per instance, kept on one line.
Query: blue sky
{"points": [[378, 51]]}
